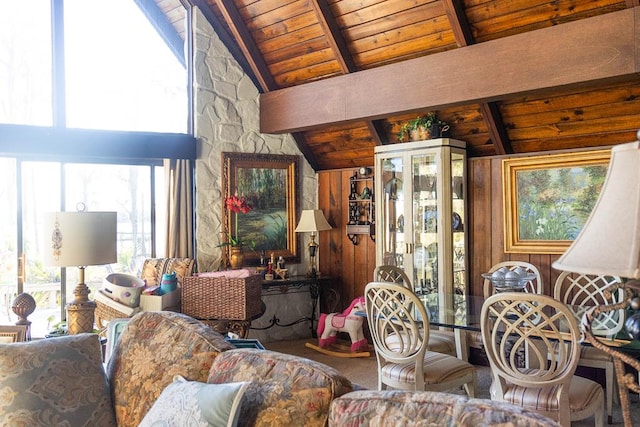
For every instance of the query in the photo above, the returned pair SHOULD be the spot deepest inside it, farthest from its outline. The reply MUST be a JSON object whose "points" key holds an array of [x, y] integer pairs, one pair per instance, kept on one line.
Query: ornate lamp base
{"points": [[81, 311]]}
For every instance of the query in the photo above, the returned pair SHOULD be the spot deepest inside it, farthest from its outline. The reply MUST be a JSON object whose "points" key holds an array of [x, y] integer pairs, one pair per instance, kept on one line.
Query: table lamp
{"points": [[80, 239], [312, 220], [609, 244]]}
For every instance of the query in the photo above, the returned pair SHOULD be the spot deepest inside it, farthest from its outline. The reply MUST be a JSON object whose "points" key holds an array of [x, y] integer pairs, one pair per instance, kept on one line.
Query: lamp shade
{"points": [[78, 239], [312, 220], [609, 242]]}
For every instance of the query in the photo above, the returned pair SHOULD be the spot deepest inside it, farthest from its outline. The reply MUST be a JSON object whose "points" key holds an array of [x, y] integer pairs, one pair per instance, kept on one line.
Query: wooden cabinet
{"points": [[421, 216], [361, 206]]}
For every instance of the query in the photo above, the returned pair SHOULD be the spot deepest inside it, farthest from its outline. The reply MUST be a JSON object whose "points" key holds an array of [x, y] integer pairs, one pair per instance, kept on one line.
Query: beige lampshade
{"points": [[312, 220], [610, 239], [79, 239]]}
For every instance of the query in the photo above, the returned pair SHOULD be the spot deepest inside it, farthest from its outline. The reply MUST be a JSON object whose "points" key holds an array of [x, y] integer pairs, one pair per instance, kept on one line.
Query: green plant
{"points": [[425, 122]]}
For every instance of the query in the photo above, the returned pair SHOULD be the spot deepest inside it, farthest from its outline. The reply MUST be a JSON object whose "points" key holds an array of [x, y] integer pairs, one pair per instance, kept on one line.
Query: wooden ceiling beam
{"points": [[596, 49], [247, 45], [334, 36], [490, 111], [341, 50]]}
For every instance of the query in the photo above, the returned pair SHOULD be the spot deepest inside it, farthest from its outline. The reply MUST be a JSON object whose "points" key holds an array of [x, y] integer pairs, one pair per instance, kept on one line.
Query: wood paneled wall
{"points": [[351, 265], [354, 265]]}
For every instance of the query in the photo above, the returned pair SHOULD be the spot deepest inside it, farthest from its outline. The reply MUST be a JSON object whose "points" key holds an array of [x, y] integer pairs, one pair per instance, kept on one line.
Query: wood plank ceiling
{"points": [[287, 43]]}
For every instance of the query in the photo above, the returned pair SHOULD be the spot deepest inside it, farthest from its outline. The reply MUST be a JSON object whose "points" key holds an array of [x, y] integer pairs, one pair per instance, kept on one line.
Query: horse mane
{"points": [[353, 303]]}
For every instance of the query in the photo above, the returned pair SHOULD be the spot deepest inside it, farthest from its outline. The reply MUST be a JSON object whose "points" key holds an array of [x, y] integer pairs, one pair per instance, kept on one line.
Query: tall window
{"points": [[119, 75]]}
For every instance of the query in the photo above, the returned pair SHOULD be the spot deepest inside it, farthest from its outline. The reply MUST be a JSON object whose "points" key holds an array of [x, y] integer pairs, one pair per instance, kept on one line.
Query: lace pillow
{"points": [[191, 403]]}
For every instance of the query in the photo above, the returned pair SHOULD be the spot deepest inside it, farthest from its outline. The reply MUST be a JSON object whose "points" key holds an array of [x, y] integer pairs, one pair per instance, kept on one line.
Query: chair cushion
{"points": [[285, 390], [441, 368], [187, 403], [442, 342], [153, 348], [55, 381], [395, 408], [582, 394]]}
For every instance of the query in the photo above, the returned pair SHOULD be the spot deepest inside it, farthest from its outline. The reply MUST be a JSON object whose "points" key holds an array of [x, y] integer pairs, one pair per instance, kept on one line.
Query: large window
{"points": [[119, 75]]}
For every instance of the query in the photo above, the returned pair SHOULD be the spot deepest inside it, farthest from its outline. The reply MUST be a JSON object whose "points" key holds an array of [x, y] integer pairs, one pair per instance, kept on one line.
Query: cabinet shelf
{"points": [[361, 209]]}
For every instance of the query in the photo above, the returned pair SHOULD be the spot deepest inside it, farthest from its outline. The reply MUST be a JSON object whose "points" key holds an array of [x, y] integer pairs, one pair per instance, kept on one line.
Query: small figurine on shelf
{"points": [[354, 189]]}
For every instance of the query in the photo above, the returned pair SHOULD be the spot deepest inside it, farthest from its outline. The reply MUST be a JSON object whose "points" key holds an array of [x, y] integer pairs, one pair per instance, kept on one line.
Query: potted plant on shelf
{"points": [[422, 127]]}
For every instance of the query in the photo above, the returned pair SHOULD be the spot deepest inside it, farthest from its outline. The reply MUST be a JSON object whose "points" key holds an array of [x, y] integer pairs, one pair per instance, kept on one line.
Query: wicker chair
{"points": [[151, 273], [520, 322], [586, 291], [439, 341], [401, 339]]}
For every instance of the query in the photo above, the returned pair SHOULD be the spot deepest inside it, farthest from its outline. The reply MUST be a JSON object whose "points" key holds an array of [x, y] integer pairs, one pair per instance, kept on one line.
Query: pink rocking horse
{"points": [[330, 324]]}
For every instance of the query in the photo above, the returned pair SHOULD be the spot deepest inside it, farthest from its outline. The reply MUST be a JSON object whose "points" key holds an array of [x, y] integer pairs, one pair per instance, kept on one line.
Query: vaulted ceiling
{"points": [[302, 50]]}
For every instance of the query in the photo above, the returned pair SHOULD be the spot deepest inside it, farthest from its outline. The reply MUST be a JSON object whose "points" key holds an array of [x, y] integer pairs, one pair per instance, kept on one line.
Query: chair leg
{"points": [[610, 375], [470, 387]]}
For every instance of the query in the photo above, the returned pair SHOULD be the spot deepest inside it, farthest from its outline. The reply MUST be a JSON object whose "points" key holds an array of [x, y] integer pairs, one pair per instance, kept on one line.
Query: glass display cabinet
{"points": [[421, 215]]}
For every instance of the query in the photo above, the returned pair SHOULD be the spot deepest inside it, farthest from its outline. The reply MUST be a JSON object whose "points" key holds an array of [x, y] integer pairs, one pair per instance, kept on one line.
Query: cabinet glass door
{"points": [[393, 218], [458, 224], [425, 221]]}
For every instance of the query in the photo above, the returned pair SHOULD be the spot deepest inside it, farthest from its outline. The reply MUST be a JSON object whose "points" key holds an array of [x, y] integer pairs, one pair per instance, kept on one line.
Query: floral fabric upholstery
{"points": [[154, 268], [285, 390], [54, 382], [153, 348], [409, 408]]}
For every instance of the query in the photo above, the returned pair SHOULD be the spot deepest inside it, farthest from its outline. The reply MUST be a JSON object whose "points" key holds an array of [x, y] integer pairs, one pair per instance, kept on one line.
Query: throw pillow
{"points": [[54, 381], [192, 403]]}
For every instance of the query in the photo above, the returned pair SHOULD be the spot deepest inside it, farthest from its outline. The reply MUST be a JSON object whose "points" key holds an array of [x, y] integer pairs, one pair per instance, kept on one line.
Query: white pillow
{"points": [[189, 403]]}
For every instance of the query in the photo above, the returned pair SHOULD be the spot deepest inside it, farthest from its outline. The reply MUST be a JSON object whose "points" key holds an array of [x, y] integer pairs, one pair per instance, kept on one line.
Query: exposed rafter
{"points": [[341, 51], [490, 111], [247, 45]]}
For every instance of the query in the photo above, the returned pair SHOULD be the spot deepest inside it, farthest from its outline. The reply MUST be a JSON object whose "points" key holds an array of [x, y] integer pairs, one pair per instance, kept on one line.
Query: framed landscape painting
{"points": [[547, 199], [268, 182]]}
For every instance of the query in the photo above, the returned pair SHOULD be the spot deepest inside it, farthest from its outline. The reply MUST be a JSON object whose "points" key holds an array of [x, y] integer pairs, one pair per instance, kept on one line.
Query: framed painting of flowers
{"points": [[261, 204], [547, 199]]}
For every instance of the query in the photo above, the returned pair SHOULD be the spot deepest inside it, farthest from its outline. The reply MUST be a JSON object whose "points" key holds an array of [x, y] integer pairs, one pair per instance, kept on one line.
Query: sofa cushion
{"points": [[285, 390], [56, 381], [153, 348], [395, 407], [187, 403]]}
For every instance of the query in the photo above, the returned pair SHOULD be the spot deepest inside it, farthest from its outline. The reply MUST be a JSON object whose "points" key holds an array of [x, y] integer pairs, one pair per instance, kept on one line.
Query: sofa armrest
{"points": [[285, 389], [394, 407]]}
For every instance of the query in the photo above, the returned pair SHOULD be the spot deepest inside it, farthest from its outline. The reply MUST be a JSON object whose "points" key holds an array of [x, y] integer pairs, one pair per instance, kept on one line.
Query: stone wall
{"points": [[227, 120]]}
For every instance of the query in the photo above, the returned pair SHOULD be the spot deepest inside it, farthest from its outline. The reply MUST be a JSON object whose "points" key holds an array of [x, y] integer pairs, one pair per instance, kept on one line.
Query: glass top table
{"points": [[462, 315]]}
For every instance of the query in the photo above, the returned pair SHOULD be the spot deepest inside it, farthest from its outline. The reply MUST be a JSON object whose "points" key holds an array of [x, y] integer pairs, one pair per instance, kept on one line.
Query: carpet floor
{"points": [[363, 371]]}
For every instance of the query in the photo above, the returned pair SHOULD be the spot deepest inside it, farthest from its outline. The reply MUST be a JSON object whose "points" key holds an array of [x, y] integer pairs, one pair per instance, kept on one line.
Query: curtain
{"points": [[179, 186]]}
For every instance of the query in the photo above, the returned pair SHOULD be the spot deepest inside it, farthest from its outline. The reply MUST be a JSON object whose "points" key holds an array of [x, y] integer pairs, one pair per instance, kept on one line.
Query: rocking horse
{"points": [[348, 321]]}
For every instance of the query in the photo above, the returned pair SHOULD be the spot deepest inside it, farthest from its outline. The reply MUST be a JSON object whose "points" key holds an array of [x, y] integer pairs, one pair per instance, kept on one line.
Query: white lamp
{"points": [[79, 239], [312, 221], [610, 244]]}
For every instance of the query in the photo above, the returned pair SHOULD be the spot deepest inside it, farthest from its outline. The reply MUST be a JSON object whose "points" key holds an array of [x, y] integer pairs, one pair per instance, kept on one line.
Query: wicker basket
{"points": [[222, 297]]}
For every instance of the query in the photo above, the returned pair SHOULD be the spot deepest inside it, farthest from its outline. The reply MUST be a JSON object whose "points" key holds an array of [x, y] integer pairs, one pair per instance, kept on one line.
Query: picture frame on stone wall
{"points": [[548, 198], [269, 183]]}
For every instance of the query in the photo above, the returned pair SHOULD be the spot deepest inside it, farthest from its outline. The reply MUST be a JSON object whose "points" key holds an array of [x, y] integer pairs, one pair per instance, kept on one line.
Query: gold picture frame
{"points": [[13, 333], [548, 198], [269, 182]]}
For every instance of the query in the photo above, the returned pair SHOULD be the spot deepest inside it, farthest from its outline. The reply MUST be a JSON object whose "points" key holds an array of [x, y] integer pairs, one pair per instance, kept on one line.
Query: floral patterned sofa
{"points": [[169, 369]]}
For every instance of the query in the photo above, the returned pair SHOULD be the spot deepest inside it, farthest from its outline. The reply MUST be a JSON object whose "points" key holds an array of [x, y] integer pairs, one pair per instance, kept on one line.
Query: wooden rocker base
{"points": [[338, 350]]}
